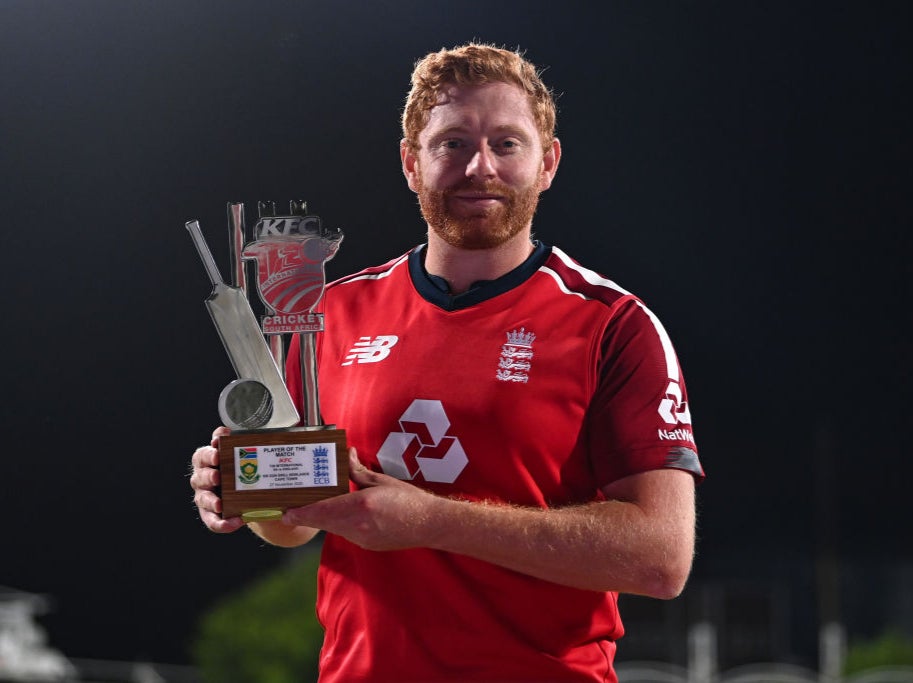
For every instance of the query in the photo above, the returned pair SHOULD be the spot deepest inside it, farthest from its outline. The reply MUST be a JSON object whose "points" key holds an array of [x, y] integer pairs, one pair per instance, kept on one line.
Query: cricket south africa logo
{"points": [[247, 466], [422, 446], [367, 350], [516, 356], [290, 252]]}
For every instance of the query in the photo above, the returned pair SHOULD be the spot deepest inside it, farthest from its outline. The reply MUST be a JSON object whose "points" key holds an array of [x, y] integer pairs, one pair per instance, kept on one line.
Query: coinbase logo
{"points": [[423, 446]]}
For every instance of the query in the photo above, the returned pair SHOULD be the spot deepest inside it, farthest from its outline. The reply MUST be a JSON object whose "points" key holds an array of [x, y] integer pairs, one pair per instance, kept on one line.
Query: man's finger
{"points": [[218, 525], [204, 478], [217, 432], [205, 456], [207, 501]]}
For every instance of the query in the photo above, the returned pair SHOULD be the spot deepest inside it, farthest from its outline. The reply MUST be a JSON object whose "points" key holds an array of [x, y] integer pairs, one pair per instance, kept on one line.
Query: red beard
{"points": [[487, 227]]}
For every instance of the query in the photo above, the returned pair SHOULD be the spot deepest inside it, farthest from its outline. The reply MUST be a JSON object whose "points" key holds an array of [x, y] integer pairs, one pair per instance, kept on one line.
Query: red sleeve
{"points": [[639, 418]]}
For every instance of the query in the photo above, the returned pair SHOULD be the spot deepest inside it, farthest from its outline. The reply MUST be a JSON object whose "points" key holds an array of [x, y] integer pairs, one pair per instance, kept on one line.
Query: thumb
{"points": [[354, 463], [359, 474]]}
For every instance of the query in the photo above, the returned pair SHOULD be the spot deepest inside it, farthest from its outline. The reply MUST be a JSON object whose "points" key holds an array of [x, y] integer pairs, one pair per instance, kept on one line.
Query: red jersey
{"points": [[534, 389]]}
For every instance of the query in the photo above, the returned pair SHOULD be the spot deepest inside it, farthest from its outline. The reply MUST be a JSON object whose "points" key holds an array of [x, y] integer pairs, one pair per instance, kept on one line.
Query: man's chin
{"points": [[476, 243], [477, 229], [475, 234]]}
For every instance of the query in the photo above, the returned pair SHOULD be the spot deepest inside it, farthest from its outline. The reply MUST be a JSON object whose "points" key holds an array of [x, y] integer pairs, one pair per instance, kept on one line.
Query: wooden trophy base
{"points": [[265, 473]]}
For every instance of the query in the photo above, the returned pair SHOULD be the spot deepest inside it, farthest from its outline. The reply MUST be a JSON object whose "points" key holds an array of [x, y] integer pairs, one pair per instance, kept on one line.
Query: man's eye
{"points": [[451, 144]]}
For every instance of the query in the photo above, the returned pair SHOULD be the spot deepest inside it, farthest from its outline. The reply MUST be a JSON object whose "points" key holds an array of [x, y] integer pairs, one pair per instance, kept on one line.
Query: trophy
{"points": [[274, 458]]}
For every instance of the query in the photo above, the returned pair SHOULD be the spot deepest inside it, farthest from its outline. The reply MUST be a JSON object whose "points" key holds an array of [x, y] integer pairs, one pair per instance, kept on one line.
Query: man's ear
{"points": [[550, 165], [409, 160]]}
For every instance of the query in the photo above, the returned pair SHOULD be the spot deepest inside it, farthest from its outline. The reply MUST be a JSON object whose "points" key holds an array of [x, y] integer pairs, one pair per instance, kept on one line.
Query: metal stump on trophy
{"points": [[274, 458]]}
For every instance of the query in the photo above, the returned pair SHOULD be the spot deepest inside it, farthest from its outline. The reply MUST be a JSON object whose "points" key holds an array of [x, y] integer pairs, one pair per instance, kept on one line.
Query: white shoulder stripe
{"points": [[590, 276], [668, 350], [378, 276], [560, 282], [595, 279]]}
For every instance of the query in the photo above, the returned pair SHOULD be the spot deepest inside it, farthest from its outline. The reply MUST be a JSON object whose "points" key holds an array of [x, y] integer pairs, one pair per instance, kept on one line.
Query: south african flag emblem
{"points": [[247, 466]]}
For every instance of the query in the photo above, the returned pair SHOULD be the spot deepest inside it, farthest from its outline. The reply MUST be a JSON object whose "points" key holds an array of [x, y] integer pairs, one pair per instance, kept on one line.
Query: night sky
{"points": [[744, 167]]}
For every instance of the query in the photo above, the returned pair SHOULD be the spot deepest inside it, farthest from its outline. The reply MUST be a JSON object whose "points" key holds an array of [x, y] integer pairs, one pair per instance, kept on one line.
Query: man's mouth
{"points": [[481, 199]]}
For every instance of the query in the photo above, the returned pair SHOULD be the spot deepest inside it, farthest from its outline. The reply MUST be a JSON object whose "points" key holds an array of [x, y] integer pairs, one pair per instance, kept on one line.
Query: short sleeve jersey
{"points": [[536, 389]]}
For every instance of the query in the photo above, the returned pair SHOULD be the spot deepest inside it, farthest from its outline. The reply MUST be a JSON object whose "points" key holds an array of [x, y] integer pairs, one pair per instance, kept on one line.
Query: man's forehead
{"points": [[501, 100], [456, 92]]}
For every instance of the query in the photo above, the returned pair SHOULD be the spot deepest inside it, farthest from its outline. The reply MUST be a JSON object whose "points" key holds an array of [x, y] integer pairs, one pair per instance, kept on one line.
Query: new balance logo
{"points": [[367, 350]]}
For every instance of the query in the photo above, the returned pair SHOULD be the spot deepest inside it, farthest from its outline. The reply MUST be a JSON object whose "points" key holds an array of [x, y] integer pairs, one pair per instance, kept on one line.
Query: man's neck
{"points": [[462, 267]]}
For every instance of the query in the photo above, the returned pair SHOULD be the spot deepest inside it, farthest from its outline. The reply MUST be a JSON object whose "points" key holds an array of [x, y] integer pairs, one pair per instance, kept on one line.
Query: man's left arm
{"points": [[640, 540]]}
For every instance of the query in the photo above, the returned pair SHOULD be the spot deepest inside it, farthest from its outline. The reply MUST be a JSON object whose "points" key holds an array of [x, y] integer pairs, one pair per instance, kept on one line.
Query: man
{"points": [[522, 447]]}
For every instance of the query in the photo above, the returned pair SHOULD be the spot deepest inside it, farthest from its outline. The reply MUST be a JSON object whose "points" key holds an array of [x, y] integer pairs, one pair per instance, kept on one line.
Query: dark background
{"points": [[744, 167]]}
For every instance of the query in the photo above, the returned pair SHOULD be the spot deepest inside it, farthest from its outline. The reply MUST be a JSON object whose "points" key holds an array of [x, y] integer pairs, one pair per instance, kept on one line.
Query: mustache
{"points": [[487, 187]]}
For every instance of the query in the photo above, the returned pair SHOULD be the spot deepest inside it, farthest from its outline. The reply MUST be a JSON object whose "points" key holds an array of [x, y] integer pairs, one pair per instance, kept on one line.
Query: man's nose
{"points": [[481, 165]]}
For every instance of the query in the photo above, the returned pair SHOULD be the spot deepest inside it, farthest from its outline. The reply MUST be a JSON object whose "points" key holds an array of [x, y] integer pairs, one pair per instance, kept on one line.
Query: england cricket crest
{"points": [[516, 356]]}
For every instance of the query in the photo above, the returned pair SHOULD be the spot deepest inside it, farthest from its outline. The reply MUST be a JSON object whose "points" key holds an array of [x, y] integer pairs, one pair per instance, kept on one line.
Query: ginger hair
{"points": [[475, 64]]}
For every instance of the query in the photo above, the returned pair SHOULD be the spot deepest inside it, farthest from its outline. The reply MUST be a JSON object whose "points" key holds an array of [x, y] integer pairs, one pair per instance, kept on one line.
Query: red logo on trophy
{"points": [[290, 264]]}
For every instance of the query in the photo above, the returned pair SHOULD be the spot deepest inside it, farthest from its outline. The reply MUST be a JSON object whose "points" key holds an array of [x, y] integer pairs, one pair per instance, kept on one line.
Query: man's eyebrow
{"points": [[512, 130], [450, 130], [457, 129]]}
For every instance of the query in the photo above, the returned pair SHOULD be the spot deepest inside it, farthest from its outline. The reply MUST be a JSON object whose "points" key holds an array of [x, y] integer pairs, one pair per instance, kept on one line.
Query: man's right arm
{"points": [[204, 479]]}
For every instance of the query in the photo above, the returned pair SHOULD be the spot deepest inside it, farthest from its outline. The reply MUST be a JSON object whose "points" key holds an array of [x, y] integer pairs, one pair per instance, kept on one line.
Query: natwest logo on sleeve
{"points": [[672, 409], [367, 350], [675, 435]]}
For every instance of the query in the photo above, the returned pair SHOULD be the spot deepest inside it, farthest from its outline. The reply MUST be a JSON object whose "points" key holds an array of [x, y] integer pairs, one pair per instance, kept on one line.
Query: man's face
{"points": [[480, 166]]}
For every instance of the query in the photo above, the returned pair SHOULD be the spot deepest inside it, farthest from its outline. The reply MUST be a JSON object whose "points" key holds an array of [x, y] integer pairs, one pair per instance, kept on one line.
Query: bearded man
{"points": [[521, 439]]}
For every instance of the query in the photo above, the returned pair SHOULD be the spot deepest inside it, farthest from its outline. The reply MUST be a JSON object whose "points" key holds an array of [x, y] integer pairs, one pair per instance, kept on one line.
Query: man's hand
{"points": [[639, 540], [384, 514], [204, 478]]}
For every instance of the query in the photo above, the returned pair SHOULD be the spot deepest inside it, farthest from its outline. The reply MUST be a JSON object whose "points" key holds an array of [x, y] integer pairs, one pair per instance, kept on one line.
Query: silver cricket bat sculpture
{"points": [[243, 404]]}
